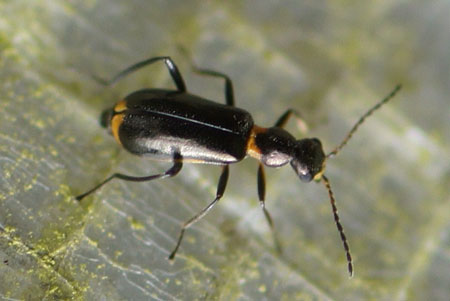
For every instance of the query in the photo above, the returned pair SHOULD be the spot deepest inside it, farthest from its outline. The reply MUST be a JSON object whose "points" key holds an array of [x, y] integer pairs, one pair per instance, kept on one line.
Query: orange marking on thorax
{"points": [[252, 149]]}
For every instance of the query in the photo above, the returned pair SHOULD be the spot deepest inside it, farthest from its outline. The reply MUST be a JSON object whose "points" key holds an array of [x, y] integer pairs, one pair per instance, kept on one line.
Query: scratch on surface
{"points": [[115, 209], [312, 287], [137, 271], [3, 297], [24, 249], [421, 259], [152, 285]]}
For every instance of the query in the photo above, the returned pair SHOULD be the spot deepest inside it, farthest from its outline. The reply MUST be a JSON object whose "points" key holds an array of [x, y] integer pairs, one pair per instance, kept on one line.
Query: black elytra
{"points": [[177, 126]]}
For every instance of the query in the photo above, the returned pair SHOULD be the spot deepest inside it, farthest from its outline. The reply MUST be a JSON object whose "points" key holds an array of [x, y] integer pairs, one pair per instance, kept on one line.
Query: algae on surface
{"points": [[330, 61]]}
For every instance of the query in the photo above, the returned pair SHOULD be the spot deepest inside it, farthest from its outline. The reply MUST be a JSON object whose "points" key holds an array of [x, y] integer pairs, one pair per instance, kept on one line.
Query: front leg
{"points": [[262, 195]]}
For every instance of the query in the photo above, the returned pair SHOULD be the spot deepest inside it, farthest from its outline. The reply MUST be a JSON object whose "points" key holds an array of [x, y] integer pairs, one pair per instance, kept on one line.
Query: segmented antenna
{"points": [[338, 225], [362, 119]]}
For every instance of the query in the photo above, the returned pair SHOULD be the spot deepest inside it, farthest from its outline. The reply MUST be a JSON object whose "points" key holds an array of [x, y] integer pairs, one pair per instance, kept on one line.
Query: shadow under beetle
{"points": [[177, 126]]}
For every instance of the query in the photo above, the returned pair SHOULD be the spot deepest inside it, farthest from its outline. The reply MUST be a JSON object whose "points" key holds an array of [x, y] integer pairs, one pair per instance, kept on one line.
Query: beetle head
{"points": [[308, 160]]}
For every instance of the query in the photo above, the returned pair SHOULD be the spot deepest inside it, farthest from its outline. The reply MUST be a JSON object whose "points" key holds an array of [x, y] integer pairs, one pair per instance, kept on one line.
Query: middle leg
{"points": [[220, 190]]}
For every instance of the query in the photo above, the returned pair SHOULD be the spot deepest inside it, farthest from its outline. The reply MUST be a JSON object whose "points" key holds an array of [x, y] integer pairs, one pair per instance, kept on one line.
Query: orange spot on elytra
{"points": [[116, 121]]}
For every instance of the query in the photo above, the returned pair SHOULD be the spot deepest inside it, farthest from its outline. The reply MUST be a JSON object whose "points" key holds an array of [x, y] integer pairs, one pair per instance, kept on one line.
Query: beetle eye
{"points": [[306, 177], [304, 174], [302, 171]]}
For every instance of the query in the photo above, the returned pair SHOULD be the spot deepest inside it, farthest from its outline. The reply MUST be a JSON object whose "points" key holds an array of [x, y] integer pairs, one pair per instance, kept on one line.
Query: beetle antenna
{"points": [[338, 225], [362, 119]]}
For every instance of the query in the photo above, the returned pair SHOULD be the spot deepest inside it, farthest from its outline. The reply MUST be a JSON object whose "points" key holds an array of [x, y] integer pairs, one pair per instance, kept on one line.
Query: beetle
{"points": [[177, 126]]}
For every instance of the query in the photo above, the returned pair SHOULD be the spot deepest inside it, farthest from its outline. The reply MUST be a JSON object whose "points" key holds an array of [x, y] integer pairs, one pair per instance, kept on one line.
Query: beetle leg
{"points": [[281, 122], [173, 70], [220, 190], [229, 93], [174, 170], [262, 196]]}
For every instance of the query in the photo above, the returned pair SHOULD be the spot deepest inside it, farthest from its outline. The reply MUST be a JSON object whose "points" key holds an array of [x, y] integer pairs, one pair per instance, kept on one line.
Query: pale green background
{"points": [[331, 60]]}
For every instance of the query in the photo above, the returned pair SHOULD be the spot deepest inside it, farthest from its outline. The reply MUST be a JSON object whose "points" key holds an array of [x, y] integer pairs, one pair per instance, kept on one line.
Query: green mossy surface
{"points": [[329, 60]]}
